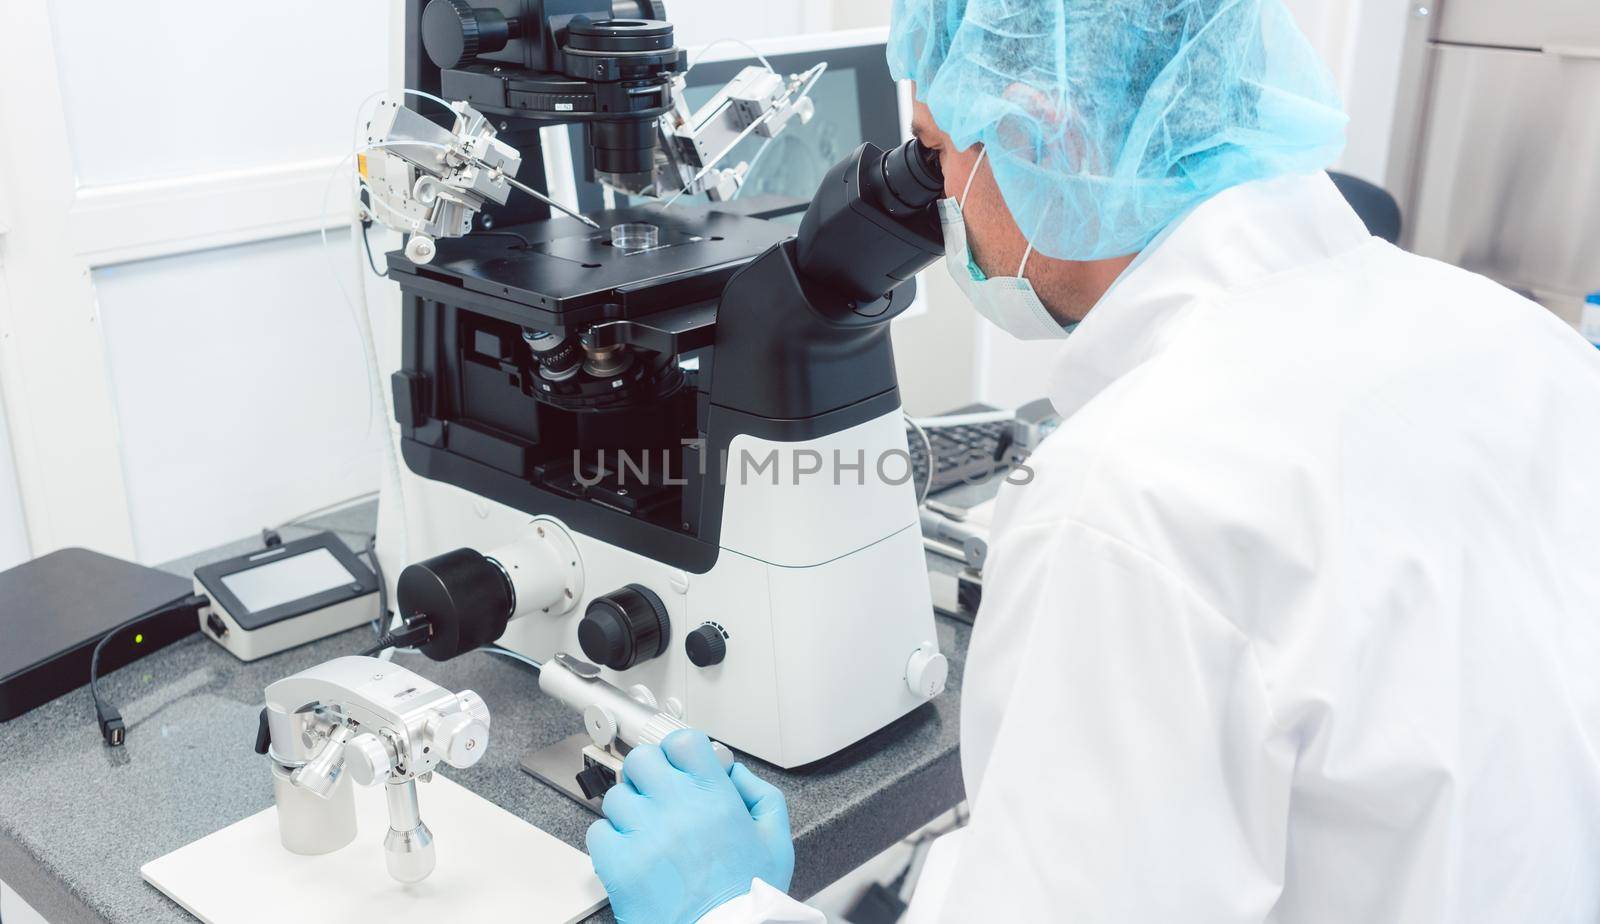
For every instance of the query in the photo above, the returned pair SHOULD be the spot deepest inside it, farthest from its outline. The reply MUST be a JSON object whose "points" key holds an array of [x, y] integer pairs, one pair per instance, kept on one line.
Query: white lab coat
{"points": [[1299, 619]]}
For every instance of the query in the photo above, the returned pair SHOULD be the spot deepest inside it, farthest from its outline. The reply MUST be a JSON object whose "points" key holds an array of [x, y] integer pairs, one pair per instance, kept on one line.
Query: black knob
{"points": [[706, 646], [454, 32], [624, 628], [465, 597]]}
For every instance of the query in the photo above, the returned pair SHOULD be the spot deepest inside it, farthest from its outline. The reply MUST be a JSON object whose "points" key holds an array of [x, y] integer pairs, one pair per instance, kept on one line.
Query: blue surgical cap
{"points": [[1106, 120]]}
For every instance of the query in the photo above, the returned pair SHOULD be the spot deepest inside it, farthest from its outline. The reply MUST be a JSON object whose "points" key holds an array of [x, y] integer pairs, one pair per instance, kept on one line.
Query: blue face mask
{"points": [[1008, 302]]}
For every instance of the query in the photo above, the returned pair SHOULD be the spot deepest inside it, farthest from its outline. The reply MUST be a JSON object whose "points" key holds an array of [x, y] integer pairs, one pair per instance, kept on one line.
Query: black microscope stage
{"points": [[573, 272]]}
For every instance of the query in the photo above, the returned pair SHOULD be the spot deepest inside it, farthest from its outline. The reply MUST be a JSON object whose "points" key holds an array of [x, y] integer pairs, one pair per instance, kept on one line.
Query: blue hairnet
{"points": [[1105, 120]]}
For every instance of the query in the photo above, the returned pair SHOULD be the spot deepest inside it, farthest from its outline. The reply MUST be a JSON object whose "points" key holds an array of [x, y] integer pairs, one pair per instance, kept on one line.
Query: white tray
{"points": [[492, 866]]}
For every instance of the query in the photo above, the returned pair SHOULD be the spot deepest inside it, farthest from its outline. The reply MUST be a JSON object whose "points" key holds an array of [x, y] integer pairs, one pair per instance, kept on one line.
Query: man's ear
{"points": [[1042, 130]]}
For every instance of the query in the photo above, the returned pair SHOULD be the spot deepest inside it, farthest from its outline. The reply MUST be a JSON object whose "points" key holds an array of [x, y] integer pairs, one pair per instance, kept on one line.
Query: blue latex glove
{"points": [[681, 835]]}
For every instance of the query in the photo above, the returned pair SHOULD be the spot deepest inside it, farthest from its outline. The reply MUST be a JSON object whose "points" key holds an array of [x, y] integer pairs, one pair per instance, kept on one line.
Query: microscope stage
{"points": [[563, 267]]}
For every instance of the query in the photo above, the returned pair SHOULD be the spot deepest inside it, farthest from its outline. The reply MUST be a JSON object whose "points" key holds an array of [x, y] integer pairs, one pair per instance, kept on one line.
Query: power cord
{"points": [[927, 447], [383, 586], [406, 635], [366, 244], [112, 731]]}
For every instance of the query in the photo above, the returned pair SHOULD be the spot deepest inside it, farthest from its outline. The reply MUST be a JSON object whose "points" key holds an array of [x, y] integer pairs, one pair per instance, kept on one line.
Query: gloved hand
{"points": [[681, 835]]}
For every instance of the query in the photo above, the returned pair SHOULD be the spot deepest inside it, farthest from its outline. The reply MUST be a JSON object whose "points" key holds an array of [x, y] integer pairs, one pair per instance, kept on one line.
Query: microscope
{"points": [[364, 721], [675, 443]]}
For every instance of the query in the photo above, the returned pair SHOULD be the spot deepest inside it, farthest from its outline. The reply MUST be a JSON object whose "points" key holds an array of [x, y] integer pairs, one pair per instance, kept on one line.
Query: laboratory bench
{"points": [[78, 819]]}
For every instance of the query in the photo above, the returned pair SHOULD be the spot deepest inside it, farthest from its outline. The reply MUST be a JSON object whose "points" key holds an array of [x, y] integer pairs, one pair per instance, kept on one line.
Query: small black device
{"points": [[56, 608], [286, 595]]}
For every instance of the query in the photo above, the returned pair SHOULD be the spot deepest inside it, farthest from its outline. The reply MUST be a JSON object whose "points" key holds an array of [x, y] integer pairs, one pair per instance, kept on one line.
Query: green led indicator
{"points": [[139, 639]]}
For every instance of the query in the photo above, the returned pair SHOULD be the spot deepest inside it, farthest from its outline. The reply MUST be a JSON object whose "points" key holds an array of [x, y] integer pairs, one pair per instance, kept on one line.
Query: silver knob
{"points": [[459, 738], [472, 704], [601, 725], [321, 772], [408, 847], [367, 760], [409, 854]]}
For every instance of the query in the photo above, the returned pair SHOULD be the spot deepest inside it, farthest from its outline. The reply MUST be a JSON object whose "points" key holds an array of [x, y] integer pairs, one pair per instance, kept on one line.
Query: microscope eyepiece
{"points": [[871, 226], [912, 178]]}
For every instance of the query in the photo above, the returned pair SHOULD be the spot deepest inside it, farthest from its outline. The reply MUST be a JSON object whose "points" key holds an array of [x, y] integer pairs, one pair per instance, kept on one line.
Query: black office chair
{"points": [[1376, 208]]}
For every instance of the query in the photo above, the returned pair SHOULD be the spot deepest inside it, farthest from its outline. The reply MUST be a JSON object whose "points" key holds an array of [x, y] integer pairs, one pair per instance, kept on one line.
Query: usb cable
{"points": [[112, 730]]}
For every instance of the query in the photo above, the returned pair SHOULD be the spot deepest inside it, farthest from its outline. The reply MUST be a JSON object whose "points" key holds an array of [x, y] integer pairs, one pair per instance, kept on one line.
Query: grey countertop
{"points": [[78, 819]]}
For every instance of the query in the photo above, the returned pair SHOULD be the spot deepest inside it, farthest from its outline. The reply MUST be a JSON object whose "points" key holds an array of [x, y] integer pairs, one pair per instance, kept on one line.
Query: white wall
{"points": [[13, 529], [698, 22], [1370, 79], [1360, 40]]}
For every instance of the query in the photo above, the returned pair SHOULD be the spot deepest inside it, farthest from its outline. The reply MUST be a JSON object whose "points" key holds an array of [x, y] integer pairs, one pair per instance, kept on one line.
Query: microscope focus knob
{"points": [[927, 671], [624, 628], [706, 646], [454, 32], [366, 759], [472, 704], [459, 738]]}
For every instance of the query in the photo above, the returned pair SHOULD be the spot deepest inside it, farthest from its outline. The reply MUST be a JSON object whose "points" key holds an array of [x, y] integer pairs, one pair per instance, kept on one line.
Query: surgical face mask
{"points": [[1008, 302]]}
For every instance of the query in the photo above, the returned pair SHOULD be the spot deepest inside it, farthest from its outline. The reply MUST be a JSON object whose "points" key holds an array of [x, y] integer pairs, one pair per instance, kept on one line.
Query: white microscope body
{"points": [[815, 619], [774, 595]]}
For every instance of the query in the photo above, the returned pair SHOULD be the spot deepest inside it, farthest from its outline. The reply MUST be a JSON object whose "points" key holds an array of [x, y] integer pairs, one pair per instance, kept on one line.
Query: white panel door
{"points": [[167, 88], [14, 547], [241, 390], [179, 367]]}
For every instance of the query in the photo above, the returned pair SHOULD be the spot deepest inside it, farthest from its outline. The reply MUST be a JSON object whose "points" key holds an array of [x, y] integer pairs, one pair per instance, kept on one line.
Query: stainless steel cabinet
{"points": [[1509, 175], [1496, 157], [1519, 23]]}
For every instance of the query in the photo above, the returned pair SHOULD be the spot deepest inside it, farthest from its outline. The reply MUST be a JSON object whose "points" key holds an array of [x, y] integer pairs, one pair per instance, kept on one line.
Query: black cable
{"points": [[383, 586], [525, 242], [110, 720], [367, 245], [407, 636]]}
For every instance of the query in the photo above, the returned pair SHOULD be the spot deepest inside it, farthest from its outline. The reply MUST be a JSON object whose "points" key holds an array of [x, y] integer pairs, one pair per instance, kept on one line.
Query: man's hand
{"points": [[681, 836]]}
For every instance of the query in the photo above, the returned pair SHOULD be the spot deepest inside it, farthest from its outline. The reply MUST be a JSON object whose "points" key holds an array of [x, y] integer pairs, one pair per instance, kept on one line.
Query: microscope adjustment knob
{"points": [[465, 597], [706, 646], [459, 739], [321, 773], [367, 759], [472, 704], [927, 671], [454, 32], [624, 628]]}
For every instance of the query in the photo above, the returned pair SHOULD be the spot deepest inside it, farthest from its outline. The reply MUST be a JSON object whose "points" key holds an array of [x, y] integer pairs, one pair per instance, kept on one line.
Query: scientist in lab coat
{"points": [[1299, 618]]}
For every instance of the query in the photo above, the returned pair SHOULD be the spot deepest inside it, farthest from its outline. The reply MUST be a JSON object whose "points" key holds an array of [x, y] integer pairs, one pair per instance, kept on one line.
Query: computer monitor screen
{"points": [[856, 100]]}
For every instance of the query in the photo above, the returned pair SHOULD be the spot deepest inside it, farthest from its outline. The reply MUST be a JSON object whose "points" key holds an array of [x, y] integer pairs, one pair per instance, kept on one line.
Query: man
{"points": [[1299, 619]]}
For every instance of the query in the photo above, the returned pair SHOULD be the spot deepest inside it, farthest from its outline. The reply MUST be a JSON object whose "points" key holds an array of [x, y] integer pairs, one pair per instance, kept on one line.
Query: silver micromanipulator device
{"points": [[616, 721], [364, 721]]}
